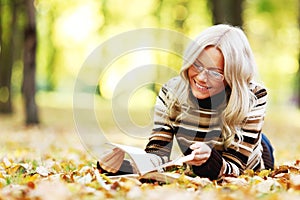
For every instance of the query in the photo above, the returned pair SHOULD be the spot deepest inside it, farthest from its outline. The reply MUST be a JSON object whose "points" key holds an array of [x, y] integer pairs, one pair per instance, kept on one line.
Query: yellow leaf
{"points": [[32, 178], [1, 175], [264, 173], [249, 172], [107, 179], [2, 182]]}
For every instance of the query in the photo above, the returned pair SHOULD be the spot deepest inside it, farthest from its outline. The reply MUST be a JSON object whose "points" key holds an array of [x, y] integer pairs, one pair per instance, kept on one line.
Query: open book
{"points": [[146, 165]]}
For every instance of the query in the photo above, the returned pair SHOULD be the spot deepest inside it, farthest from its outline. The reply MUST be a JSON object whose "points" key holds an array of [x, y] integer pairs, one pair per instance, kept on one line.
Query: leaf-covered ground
{"points": [[49, 162]]}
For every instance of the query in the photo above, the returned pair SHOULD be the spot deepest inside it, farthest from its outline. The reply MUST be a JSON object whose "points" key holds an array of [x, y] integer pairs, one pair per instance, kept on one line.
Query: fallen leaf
{"points": [[267, 186], [42, 171], [295, 181], [84, 179]]}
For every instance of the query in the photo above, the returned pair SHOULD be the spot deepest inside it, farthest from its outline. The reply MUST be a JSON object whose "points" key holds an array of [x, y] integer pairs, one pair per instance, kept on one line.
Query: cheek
{"points": [[220, 86], [224, 83], [191, 74]]}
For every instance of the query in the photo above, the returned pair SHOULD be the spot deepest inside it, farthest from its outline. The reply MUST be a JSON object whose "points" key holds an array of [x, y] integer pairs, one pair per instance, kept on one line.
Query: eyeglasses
{"points": [[211, 73]]}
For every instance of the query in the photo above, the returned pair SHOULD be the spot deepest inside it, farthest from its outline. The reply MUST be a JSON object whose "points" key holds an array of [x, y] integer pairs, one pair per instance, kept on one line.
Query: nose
{"points": [[202, 76]]}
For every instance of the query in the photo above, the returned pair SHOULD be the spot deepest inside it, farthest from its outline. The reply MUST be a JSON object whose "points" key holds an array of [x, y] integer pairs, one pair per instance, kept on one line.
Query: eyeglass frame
{"points": [[210, 73]]}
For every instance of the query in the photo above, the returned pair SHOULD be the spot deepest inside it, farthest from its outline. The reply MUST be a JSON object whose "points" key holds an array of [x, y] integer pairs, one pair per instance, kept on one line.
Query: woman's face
{"points": [[206, 74]]}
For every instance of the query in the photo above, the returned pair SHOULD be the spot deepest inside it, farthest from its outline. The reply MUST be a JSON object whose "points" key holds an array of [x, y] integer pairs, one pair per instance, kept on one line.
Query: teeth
{"points": [[200, 86]]}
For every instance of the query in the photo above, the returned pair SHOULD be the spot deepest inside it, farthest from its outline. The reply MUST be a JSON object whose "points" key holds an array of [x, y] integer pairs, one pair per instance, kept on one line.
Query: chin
{"points": [[199, 95]]}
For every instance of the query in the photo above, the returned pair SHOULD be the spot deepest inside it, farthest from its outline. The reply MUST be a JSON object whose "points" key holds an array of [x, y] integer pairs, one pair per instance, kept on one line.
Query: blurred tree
{"points": [[48, 54], [8, 26], [227, 11], [29, 70], [298, 72], [12, 34], [180, 14]]}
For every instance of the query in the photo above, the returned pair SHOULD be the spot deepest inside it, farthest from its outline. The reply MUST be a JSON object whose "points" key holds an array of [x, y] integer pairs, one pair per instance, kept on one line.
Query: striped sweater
{"points": [[199, 121]]}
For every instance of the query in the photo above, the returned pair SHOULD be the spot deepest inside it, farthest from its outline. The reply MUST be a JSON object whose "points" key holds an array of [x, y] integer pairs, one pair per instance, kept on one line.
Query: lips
{"points": [[201, 88]]}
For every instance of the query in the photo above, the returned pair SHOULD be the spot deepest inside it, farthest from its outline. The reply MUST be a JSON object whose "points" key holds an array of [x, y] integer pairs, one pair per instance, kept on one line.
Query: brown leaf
{"points": [[295, 181], [280, 169], [31, 185], [297, 163]]}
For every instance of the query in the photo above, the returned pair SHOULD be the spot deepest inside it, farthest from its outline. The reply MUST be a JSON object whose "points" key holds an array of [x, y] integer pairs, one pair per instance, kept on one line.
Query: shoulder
{"points": [[258, 90], [175, 90], [175, 85], [174, 82]]}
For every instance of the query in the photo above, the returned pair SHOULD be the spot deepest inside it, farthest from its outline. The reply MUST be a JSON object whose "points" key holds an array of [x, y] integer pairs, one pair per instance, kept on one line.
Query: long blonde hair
{"points": [[239, 71]]}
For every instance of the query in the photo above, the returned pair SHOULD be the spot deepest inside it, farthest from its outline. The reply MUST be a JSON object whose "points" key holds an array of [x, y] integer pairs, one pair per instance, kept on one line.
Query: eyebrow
{"points": [[216, 67]]}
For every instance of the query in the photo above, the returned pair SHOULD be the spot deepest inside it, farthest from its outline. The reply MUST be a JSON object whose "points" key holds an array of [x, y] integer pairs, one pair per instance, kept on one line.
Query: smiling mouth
{"points": [[201, 87]]}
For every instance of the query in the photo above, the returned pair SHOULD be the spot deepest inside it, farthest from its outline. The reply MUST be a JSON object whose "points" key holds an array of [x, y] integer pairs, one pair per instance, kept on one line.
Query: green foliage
{"points": [[272, 28], [265, 6], [68, 31]]}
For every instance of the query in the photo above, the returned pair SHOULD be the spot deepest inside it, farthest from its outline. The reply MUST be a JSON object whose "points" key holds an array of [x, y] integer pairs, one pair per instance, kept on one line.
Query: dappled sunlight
{"points": [[134, 8], [73, 35], [274, 37], [283, 128], [75, 27], [141, 107], [81, 59], [39, 159], [55, 99], [126, 64], [120, 67], [80, 28]]}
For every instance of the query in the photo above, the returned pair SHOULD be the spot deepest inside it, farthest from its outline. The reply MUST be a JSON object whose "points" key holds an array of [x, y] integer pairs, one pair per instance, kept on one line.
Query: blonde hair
{"points": [[239, 72]]}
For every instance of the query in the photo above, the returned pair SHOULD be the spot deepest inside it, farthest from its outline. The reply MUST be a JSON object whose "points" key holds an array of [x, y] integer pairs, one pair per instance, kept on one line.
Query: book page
{"points": [[144, 162], [129, 149]]}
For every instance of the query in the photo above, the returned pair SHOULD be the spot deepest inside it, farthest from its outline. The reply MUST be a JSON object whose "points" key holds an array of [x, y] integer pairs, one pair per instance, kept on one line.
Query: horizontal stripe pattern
{"points": [[198, 124]]}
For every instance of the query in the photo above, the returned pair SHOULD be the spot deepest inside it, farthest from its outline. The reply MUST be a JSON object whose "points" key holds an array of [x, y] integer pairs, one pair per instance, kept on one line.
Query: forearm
{"points": [[212, 168], [215, 167], [229, 169], [160, 143]]}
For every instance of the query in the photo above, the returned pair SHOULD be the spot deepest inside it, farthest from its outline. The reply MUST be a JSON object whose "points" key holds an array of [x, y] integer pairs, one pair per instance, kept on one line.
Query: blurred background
{"points": [[44, 44]]}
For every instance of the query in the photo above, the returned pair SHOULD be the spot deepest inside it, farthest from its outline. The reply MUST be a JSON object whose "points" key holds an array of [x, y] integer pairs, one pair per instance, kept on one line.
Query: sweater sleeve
{"points": [[211, 168], [248, 153], [161, 138]]}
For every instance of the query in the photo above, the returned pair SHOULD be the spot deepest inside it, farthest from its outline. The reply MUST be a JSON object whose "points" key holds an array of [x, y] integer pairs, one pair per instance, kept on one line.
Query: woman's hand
{"points": [[201, 152]]}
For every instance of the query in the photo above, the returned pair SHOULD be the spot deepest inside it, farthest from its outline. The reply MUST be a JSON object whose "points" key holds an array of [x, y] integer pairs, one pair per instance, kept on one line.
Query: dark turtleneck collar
{"points": [[215, 101]]}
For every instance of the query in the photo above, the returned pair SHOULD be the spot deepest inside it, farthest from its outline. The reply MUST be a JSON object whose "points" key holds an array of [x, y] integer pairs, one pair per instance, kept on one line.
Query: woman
{"points": [[214, 109]]}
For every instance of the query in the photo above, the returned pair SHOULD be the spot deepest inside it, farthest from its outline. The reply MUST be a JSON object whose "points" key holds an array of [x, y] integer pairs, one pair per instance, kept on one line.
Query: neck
{"points": [[215, 101]]}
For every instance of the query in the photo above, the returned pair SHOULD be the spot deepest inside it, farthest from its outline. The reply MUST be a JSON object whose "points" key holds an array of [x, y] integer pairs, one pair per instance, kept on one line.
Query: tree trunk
{"points": [[7, 36], [298, 73], [30, 43], [227, 11], [298, 82]]}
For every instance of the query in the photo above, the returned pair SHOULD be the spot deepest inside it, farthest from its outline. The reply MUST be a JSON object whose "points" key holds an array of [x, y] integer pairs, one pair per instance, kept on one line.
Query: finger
{"points": [[196, 145], [198, 160], [196, 163], [202, 147], [200, 157]]}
